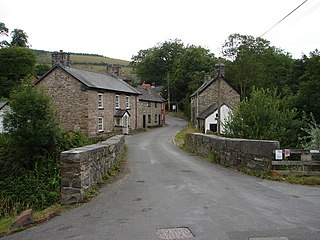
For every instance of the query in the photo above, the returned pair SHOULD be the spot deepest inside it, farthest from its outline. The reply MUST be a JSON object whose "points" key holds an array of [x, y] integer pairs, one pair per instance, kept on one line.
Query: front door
{"points": [[144, 121], [125, 124]]}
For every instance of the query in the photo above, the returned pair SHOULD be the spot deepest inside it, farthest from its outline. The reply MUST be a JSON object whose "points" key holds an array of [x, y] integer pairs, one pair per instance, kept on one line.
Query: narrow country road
{"points": [[168, 188]]}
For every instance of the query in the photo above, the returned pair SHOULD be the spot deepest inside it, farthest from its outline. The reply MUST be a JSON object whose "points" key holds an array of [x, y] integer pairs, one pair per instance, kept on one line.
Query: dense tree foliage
{"points": [[15, 64], [255, 63], [32, 126], [19, 38], [3, 32], [308, 95], [180, 69], [265, 116]]}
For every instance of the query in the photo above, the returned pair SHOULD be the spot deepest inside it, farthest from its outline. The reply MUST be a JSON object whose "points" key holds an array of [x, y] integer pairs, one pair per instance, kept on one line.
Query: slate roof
{"points": [[205, 85], [2, 104], [121, 112], [208, 111], [211, 109], [96, 80], [149, 95]]}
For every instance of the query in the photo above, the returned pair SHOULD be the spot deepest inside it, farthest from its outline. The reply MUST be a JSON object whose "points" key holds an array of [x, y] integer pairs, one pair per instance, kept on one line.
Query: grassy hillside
{"points": [[92, 62]]}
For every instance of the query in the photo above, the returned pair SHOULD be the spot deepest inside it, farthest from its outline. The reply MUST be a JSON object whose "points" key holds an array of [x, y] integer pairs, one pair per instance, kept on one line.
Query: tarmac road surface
{"points": [[170, 194]]}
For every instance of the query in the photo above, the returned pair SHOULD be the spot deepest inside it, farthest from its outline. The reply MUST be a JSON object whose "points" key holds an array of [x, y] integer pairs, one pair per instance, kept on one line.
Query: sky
{"points": [[120, 28]]}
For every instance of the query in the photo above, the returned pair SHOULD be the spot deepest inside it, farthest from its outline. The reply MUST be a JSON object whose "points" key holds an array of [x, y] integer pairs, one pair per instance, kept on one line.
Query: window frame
{"points": [[127, 102], [117, 101], [100, 124], [100, 101]]}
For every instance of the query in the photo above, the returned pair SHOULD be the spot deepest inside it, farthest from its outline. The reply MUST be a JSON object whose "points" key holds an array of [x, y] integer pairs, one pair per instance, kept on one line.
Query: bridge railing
{"points": [[296, 162]]}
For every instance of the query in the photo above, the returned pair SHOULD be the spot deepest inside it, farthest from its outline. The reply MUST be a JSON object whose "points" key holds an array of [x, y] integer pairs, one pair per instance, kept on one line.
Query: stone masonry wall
{"points": [[247, 154], [152, 110], [210, 95], [68, 98], [82, 167]]}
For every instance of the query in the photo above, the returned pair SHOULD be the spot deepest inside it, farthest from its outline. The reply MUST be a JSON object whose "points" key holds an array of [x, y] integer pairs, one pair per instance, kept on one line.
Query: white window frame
{"points": [[117, 102], [100, 124], [127, 102], [100, 100]]}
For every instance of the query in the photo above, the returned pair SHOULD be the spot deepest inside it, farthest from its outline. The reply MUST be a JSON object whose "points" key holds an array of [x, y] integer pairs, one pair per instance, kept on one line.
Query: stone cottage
{"points": [[214, 96], [4, 107], [151, 107], [93, 103]]}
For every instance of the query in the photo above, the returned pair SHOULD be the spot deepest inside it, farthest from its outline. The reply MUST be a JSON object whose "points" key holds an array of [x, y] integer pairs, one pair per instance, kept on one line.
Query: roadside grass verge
{"points": [[39, 217]]}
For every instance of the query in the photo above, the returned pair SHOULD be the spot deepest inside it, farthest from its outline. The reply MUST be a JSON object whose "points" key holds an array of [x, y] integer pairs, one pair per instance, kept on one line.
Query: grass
{"points": [[46, 59], [301, 180], [180, 137], [39, 217]]}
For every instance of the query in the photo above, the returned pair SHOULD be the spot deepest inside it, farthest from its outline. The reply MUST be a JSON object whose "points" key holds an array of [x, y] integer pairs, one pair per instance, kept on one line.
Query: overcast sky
{"points": [[120, 28]]}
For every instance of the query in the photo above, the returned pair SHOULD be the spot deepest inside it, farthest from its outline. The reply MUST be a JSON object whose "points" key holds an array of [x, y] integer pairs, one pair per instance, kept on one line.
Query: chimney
{"points": [[207, 77], [219, 70], [61, 58], [114, 70]]}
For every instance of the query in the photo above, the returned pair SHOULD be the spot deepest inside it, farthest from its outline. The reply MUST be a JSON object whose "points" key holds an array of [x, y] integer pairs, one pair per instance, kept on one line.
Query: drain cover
{"points": [[174, 233], [268, 238]]}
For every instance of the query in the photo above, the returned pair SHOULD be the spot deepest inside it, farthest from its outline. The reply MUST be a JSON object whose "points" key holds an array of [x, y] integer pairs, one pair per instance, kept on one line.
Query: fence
{"points": [[297, 162]]}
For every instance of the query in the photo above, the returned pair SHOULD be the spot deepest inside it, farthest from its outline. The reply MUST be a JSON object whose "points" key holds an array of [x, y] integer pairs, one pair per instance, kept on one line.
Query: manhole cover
{"points": [[268, 238], [174, 233]]}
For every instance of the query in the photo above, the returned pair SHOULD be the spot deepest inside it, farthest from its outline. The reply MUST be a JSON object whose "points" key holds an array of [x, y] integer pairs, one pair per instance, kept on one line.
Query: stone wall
{"points": [[78, 107], [210, 95], [68, 98], [255, 155], [154, 109], [82, 167]]}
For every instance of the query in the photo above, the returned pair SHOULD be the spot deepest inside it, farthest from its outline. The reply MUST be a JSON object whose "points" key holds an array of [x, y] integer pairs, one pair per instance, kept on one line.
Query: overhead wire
{"points": [[283, 19]]}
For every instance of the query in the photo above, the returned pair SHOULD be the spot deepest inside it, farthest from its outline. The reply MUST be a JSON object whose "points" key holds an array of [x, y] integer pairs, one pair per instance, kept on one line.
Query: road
{"points": [[168, 188]]}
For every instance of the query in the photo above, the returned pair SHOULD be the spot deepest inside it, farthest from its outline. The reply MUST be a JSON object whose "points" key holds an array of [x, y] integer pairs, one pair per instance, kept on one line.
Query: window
{"points": [[149, 118], [155, 104], [127, 102], [155, 118], [149, 104], [100, 100], [118, 123], [117, 101], [100, 124]]}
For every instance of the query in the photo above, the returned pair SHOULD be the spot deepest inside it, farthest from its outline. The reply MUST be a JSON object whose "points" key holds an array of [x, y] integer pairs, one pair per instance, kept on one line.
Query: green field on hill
{"points": [[91, 62]]}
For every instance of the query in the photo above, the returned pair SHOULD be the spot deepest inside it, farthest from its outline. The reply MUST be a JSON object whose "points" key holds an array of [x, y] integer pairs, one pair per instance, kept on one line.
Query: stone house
{"points": [[214, 96], [4, 107], [151, 108], [93, 103]]}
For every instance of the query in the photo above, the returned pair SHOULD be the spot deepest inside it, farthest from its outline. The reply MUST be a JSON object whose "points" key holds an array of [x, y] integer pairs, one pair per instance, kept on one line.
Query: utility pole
{"points": [[218, 69], [168, 82]]}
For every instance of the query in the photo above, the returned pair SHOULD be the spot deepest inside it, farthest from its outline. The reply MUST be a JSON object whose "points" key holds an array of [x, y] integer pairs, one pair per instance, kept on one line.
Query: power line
{"points": [[283, 19]]}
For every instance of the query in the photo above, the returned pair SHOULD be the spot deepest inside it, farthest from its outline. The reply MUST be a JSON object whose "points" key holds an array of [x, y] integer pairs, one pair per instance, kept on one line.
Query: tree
{"points": [[3, 31], [308, 96], [15, 64], [41, 69], [153, 64], [19, 38], [255, 63], [265, 116], [188, 71], [32, 126]]}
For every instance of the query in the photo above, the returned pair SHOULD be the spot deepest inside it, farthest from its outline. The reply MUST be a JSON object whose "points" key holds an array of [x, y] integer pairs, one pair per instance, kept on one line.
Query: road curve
{"points": [[168, 188]]}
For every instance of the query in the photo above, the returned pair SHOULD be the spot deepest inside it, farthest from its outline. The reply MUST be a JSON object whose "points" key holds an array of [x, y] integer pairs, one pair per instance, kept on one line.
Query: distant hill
{"points": [[93, 62]]}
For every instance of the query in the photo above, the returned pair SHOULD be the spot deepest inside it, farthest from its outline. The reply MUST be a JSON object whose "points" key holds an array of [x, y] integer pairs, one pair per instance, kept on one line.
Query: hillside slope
{"points": [[93, 62]]}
